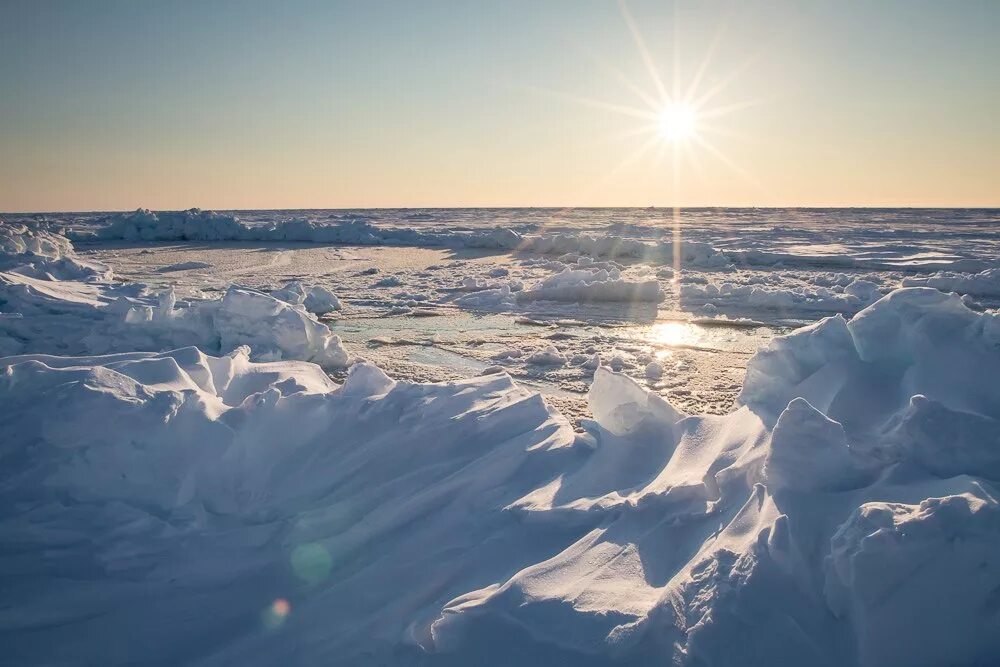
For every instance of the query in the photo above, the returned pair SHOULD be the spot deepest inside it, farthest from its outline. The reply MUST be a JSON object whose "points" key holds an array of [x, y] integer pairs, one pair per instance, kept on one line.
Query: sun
{"points": [[677, 122]]}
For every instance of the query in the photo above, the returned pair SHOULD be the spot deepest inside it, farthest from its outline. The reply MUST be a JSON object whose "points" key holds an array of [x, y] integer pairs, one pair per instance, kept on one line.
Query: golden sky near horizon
{"points": [[313, 105]]}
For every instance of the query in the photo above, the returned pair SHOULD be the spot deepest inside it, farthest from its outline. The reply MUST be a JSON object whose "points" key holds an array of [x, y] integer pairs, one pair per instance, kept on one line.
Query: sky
{"points": [[244, 104]]}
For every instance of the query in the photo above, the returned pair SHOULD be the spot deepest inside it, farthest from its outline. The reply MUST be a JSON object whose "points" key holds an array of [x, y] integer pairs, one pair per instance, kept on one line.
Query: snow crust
{"points": [[844, 514]]}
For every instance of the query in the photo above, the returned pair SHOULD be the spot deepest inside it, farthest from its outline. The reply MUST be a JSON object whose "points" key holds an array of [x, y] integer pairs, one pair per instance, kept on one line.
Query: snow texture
{"points": [[179, 507], [52, 301]]}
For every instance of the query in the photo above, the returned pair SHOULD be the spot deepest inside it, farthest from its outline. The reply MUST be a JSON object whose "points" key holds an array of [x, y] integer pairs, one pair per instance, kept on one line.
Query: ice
{"points": [[217, 498], [949, 543], [592, 285], [17, 239], [41, 253], [82, 312], [985, 283], [315, 299], [272, 329], [847, 299], [546, 356]]}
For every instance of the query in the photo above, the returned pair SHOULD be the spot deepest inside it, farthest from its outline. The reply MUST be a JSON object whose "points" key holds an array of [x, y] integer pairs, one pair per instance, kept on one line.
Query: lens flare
{"points": [[276, 613]]}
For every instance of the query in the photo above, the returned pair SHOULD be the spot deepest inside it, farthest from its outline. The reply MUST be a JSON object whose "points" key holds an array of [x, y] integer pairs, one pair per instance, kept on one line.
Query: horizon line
{"points": [[523, 207]]}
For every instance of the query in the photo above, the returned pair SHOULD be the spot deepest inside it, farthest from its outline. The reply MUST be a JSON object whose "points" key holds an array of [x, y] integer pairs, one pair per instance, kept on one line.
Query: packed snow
{"points": [[198, 469], [383, 521]]}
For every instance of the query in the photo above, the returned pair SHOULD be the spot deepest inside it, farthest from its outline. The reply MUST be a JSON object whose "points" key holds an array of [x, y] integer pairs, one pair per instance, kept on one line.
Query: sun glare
{"points": [[678, 122]]}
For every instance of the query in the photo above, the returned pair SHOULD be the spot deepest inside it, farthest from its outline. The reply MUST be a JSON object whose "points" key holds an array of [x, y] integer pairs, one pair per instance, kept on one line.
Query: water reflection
{"points": [[676, 334]]}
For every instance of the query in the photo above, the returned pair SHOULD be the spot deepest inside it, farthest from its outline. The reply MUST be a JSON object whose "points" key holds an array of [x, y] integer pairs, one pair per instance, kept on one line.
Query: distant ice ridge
{"points": [[592, 285], [198, 225], [578, 285], [52, 301], [845, 514], [985, 283], [849, 298], [766, 248]]}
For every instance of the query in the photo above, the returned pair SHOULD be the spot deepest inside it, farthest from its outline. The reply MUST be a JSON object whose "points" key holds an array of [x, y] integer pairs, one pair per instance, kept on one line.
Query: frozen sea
{"points": [[767, 271], [710, 437]]}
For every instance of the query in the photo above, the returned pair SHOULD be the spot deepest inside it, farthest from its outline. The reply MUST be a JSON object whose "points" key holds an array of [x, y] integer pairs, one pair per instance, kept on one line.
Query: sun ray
{"points": [[699, 74], [647, 58], [723, 83], [600, 104], [715, 112], [725, 159], [625, 82], [676, 122], [633, 157]]}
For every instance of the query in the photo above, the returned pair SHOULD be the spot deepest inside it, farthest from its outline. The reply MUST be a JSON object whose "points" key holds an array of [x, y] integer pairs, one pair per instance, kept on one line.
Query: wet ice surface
{"points": [[439, 313], [432, 339]]}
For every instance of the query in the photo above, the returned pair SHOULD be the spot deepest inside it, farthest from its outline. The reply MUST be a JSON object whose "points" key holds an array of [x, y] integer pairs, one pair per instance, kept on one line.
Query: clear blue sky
{"points": [[108, 104]]}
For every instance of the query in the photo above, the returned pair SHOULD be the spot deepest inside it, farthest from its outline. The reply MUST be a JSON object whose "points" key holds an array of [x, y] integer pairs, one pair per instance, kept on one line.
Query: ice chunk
{"points": [[622, 406], [588, 285], [546, 356]]}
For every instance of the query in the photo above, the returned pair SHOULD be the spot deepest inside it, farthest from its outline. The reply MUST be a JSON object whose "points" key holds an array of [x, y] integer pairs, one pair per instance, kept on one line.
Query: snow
{"points": [[728, 295], [195, 487], [985, 283], [592, 285], [314, 298], [911, 240], [38, 252], [546, 356], [844, 513], [58, 303]]}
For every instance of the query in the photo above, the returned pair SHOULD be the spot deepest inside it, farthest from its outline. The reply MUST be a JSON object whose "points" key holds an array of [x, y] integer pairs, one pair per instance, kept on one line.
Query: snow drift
{"points": [[213, 510], [51, 301]]}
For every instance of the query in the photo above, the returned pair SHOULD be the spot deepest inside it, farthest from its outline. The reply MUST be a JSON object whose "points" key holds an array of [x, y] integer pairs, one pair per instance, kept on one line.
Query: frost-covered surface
{"points": [[212, 510]]}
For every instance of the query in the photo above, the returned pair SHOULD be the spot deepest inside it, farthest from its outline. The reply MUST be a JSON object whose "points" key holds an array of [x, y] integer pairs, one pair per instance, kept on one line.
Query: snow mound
{"points": [[915, 341], [270, 327], [592, 285], [546, 356], [985, 283], [844, 514]]}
